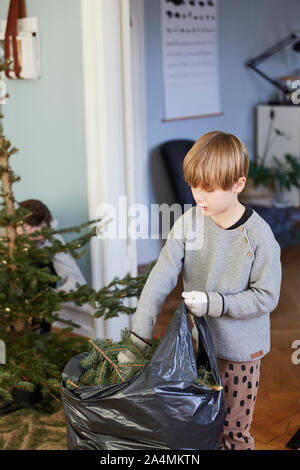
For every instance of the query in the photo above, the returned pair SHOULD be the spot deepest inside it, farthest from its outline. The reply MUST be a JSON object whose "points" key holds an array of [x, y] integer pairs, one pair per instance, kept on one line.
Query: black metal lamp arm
{"points": [[252, 63], [277, 84]]}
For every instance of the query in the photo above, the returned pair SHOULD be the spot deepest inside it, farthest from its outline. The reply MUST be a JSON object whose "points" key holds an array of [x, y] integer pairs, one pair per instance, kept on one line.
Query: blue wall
{"points": [[45, 118], [246, 28]]}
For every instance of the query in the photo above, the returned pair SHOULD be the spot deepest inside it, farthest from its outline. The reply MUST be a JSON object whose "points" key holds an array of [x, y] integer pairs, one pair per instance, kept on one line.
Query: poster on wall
{"points": [[190, 58]]}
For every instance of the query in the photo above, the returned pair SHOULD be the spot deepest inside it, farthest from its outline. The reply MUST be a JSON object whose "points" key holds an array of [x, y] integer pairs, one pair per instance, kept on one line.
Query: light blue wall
{"points": [[246, 28], [45, 118]]}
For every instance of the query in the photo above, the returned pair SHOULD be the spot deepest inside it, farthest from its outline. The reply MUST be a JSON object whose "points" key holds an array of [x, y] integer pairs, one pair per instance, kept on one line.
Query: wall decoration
{"points": [[19, 43], [190, 58]]}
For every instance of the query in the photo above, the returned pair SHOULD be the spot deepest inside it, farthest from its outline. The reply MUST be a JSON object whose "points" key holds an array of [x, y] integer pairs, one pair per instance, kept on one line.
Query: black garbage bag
{"points": [[161, 407]]}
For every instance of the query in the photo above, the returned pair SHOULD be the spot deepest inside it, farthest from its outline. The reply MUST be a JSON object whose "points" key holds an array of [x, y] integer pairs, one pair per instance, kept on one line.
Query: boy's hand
{"points": [[196, 302], [127, 357]]}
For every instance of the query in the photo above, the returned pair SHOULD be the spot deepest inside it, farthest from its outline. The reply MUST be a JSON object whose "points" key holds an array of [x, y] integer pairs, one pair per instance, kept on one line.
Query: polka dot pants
{"points": [[240, 381]]}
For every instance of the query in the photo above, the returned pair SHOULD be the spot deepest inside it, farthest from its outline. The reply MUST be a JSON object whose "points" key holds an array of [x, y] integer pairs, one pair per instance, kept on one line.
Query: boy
{"points": [[233, 280], [63, 264]]}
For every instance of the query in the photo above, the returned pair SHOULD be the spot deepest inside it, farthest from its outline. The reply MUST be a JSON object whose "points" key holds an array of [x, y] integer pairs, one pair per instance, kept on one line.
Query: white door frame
{"points": [[139, 78], [112, 127]]}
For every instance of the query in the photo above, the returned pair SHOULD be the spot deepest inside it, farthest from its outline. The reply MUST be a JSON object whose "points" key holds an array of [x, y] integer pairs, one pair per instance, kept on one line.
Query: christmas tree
{"points": [[26, 297]]}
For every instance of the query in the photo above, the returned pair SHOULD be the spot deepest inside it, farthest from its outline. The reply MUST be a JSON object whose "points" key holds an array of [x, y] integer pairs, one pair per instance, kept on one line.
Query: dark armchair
{"points": [[173, 153]]}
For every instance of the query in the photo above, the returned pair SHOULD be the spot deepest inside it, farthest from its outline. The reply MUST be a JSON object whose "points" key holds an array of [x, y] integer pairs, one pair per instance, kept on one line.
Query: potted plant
{"points": [[273, 181], [281, 177]]}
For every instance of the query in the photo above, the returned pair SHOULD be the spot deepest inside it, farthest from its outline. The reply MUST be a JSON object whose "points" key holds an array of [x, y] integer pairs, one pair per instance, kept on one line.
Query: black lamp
{"points": [[293, 38]]}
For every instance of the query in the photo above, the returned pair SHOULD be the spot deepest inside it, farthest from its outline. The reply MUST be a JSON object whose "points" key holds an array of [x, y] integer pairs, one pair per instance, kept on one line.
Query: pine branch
{"points": [[103, 361]]}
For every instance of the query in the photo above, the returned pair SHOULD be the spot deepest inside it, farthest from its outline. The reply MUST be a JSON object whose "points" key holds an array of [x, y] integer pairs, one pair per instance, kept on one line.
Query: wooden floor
{"points": [[277, 412]]}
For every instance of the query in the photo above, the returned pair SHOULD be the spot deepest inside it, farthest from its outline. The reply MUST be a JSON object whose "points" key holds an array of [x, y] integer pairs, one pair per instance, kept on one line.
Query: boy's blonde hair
{"points": [[216, 160]]}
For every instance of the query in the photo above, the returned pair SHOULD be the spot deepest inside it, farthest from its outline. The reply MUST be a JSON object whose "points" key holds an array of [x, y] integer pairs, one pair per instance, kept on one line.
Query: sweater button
{"points": [[249, 254], [241, 229], [245, 240]]}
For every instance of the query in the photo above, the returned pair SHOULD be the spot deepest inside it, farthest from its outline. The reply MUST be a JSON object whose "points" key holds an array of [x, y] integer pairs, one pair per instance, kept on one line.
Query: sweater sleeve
{"points": [[161, 281], [263, 293], [67, 268]]}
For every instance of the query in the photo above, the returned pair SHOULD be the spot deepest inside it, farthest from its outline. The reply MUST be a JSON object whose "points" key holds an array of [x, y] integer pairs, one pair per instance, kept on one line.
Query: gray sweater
{"points": [[239, 269]]}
